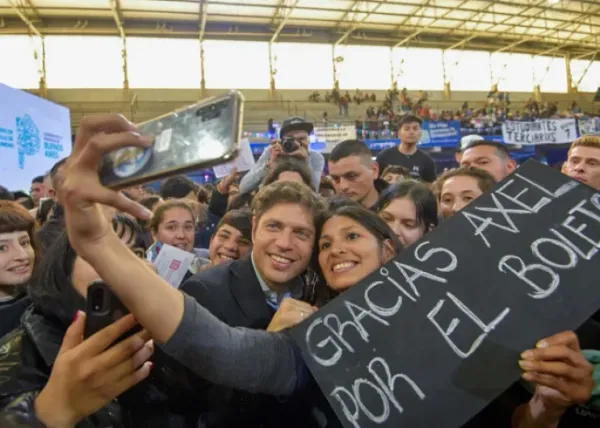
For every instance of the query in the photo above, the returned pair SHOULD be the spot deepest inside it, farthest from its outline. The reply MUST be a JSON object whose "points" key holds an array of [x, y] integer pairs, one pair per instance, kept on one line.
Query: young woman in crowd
{"points": [[459, 187], [174, 223], [215, 354], [410, 210], [18, 256], [89, 383], [76, 382]]}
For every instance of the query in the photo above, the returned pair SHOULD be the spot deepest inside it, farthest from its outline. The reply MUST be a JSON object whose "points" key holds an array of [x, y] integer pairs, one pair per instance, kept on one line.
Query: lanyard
{"points": [[274, 299]]}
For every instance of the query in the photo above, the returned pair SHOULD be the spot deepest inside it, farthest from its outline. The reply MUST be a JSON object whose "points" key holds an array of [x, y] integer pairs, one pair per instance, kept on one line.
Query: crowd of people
{"points": [[381, 120], [270, 248]]}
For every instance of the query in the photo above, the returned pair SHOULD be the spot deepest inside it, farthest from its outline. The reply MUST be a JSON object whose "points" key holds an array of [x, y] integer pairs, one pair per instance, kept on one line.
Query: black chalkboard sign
{"points": [[432, 337]]}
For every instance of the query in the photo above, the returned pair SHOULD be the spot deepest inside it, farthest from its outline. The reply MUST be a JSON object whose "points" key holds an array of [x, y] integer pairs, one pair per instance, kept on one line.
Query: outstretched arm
{"points": [[162, 310]]}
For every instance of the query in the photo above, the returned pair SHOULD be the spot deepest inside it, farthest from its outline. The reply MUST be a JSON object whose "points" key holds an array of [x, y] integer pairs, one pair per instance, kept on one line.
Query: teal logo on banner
{"points": [[28, 138]]}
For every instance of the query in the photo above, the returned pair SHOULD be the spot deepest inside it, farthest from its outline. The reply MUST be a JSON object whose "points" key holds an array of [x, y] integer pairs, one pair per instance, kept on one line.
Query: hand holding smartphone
{"points": [[102, 309], [195, 137]]}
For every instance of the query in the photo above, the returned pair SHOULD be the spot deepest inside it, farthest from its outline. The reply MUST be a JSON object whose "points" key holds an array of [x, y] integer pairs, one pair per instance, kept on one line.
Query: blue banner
{"points": [[440, 134]]}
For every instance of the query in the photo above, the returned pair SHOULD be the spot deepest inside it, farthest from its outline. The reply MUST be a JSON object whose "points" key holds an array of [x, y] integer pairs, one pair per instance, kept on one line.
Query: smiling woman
{"points": [[174, 223], [353, 242], [459, 187], [17, 259]]}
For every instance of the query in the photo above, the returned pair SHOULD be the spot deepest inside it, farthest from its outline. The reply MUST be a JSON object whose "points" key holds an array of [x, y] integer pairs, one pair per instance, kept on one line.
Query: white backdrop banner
{"points": [[331, 136], [543, 131], [34, 134]]}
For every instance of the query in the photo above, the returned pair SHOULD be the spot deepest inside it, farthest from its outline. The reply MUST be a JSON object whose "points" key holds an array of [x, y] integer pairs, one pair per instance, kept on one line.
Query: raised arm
{"points": [[251, 360], [562, 376], [317, 165], [253, 178], [182, 326]]}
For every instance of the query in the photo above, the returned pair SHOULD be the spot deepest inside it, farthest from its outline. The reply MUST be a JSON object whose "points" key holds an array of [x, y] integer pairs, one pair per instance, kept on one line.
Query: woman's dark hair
{"points": [[44, 210], [288, 164], [15, 218], [136, 237], [418, 192], [51, 289], [366, 218]]}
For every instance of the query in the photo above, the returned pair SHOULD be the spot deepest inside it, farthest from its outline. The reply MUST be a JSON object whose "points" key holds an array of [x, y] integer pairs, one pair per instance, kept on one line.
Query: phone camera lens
{"points": [[97, 299]]}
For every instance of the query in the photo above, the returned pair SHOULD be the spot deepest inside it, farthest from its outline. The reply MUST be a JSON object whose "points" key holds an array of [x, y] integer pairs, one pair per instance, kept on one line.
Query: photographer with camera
{"points": [[294, 142]]}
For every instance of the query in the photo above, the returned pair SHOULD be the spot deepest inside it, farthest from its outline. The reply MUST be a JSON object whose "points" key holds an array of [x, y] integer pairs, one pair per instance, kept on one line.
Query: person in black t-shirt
{"points": [[406, 153]]}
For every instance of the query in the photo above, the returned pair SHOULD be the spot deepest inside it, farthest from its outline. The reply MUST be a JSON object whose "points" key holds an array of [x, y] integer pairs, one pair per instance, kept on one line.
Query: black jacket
{"points": [[10, 314], [27, 355], [233, 294]]}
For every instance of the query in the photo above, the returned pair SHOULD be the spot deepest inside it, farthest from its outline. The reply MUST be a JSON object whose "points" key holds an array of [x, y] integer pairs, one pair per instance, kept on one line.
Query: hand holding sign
{"points": [[434, 336], [561, 372], [224, 185]]}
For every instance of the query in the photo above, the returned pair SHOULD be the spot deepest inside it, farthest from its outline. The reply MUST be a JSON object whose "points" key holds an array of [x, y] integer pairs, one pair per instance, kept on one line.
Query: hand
{"points": [[275, 150], [562, 374], [89, 374], [291, 312], [224, 185], [301, 152], [80, 187]]}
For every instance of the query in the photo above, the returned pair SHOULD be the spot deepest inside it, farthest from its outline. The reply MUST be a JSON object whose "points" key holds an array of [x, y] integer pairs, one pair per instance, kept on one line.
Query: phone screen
{"points": [[195, 137]]}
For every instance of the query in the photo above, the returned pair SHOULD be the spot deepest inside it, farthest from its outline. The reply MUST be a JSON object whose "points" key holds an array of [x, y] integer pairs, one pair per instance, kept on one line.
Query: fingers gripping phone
{"points": [[102, 309], [195, 137]]}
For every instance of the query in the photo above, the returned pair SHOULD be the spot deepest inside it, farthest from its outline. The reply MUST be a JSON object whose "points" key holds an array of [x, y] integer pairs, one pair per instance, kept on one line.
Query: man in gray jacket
{"points": [[293, 142]]}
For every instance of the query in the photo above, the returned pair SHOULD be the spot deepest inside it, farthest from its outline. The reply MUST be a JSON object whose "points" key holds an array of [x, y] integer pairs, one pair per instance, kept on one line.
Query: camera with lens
{"points": [[289, 145]]}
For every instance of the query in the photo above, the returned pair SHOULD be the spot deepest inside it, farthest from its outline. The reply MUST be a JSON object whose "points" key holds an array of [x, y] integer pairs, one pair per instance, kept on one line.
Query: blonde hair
{"points": [[585, 141]]}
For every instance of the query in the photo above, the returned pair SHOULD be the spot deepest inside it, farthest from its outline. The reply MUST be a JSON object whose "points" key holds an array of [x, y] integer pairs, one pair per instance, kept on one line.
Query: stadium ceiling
{"points": [[547, 27]]}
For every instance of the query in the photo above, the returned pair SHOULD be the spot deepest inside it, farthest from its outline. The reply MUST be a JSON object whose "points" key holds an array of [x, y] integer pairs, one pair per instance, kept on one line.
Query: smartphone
{"points": [[102, 309], [195, 137]]}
